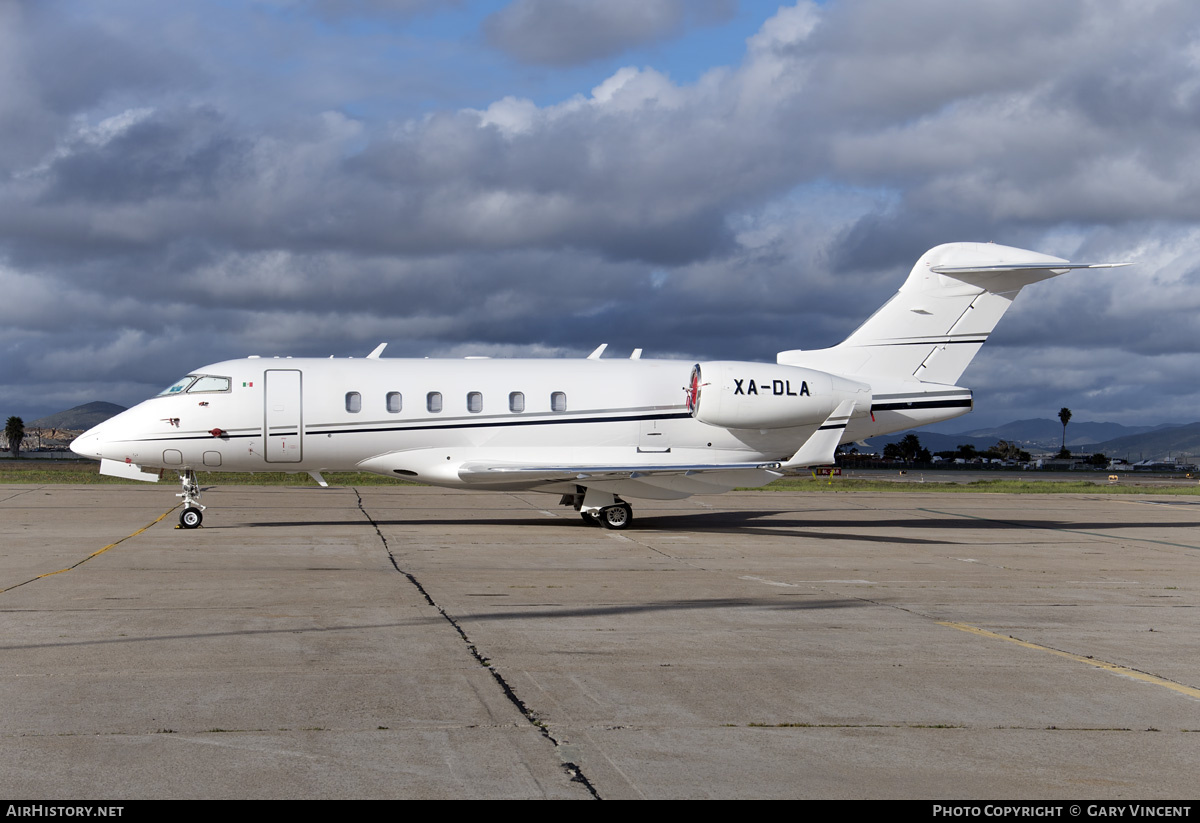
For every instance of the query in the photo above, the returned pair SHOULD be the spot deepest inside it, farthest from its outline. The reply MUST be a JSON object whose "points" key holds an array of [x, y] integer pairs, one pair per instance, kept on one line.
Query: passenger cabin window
{"points": [[433, 401], [516, 401], [474, 402], [394, 402], [353, 402], [208, 383], [558, 401]]}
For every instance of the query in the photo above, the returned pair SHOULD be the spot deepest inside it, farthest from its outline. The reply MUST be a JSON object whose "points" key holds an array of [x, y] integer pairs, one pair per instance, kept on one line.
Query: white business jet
{"points": [[593, 431]]}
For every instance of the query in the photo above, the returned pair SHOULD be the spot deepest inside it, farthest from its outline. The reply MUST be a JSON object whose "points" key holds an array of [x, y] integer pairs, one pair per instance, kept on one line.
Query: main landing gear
{"points": [[191, 516], [614, 517], [600, 508]]}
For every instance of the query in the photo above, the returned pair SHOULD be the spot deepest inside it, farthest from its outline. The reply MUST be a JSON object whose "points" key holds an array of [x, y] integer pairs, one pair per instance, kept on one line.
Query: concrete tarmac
{"points": [[412, 642]]}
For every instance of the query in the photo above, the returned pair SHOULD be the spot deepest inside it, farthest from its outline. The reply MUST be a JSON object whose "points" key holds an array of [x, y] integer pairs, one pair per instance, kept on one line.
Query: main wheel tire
{"points": [[190, 517], [590, 519], [616, 517]]}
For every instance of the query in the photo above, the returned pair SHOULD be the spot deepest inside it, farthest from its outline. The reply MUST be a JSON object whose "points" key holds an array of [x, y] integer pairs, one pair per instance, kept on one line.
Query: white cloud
{"points": [[510, 115]]}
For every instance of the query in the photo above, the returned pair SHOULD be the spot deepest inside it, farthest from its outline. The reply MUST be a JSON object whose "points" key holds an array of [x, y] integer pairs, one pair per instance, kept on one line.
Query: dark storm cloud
{"points": [[571, 32], [450, 185], [154, 216], [182, 156], [53, 66]]}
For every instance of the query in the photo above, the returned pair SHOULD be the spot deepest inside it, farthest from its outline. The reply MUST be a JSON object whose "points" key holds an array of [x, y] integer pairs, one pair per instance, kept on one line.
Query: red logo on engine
{"points": [[693, 390]]}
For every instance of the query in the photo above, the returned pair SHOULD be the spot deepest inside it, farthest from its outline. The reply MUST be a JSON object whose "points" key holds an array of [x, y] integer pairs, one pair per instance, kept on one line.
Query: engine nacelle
{"points": [[737, 395]]}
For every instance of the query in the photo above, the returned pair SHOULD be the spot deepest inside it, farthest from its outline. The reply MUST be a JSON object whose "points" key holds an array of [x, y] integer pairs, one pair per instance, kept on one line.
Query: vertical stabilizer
{"points": [[932, 328]]}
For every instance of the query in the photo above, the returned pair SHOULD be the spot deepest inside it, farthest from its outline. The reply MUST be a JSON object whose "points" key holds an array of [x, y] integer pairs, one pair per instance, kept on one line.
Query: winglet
{"points": [[819, 449], [374, 355], [599, 351]]}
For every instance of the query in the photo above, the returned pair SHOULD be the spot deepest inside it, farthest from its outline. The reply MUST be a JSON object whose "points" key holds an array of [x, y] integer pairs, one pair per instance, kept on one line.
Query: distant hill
{"points": [[1159, 444], [1041, 433], [78, 418]]}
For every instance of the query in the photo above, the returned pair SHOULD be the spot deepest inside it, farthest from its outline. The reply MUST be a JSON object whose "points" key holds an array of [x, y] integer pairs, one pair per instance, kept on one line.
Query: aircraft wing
{"points": [[666, 481], [506, 471], [817, 450], [655, 481], [580, 473]]}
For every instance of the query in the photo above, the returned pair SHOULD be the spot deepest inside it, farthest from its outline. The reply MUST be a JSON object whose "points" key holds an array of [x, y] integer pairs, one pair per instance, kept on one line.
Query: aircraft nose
{"points": [[87, 444]]}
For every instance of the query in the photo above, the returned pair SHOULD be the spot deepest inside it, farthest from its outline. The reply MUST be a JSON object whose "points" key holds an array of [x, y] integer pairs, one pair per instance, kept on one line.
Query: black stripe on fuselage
{"points": [[492, 423], [503, 423], [960, 403]]}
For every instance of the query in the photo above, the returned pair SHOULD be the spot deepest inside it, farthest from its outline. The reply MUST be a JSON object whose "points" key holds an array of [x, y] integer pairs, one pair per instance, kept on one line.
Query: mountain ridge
{"points": [[78, 418]]}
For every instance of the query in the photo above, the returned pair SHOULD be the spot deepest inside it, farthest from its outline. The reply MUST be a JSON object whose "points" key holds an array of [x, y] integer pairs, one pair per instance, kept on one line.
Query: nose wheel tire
{"points": [[190, 518]]}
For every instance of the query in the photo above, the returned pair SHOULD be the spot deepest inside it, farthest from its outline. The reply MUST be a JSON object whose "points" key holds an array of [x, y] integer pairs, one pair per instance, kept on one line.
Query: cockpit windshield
{"points": [[195, 383], [206, 382], [179, 386]]}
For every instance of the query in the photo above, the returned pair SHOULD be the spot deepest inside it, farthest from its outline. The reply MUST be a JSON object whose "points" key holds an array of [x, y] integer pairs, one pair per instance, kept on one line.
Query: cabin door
{"points": [[283, 424]]}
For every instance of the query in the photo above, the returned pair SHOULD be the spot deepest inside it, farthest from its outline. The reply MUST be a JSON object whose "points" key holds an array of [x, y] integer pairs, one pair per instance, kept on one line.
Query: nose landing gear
{"points": [[192, 514]]}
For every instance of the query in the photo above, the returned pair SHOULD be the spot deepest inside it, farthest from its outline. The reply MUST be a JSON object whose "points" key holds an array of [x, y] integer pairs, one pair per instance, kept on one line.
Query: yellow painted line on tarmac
{"points": [[1090, 661], [96, 553]]}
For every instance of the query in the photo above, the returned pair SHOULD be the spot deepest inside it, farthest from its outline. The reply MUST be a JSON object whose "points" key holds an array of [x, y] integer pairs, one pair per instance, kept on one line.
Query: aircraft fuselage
{"points": [[424, 419]]}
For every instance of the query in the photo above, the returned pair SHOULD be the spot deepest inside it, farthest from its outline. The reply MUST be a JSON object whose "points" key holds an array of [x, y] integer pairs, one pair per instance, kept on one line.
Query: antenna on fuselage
{"points": [[374, 355], [599, 351]]}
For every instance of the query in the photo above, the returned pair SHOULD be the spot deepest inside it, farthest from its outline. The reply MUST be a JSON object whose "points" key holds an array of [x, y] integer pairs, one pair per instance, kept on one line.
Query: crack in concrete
{"points": [[20, 492], [574, 772]]}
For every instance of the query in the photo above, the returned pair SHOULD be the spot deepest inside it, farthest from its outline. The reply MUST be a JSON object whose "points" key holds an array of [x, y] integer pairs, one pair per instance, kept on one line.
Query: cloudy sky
{"points": [[186, 182]]}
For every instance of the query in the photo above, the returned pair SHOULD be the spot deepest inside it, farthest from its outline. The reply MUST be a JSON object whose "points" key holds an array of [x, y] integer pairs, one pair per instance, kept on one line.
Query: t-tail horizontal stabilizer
{"points": [[819, 449]]}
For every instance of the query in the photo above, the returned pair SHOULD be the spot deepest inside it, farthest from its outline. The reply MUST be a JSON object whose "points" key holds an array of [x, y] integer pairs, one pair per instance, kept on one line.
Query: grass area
{"points": [[39, 472]]}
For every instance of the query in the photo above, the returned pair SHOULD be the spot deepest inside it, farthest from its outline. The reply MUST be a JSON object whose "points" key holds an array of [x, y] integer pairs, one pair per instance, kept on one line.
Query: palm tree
{"points": [[14, 430], [1064, 414]]}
